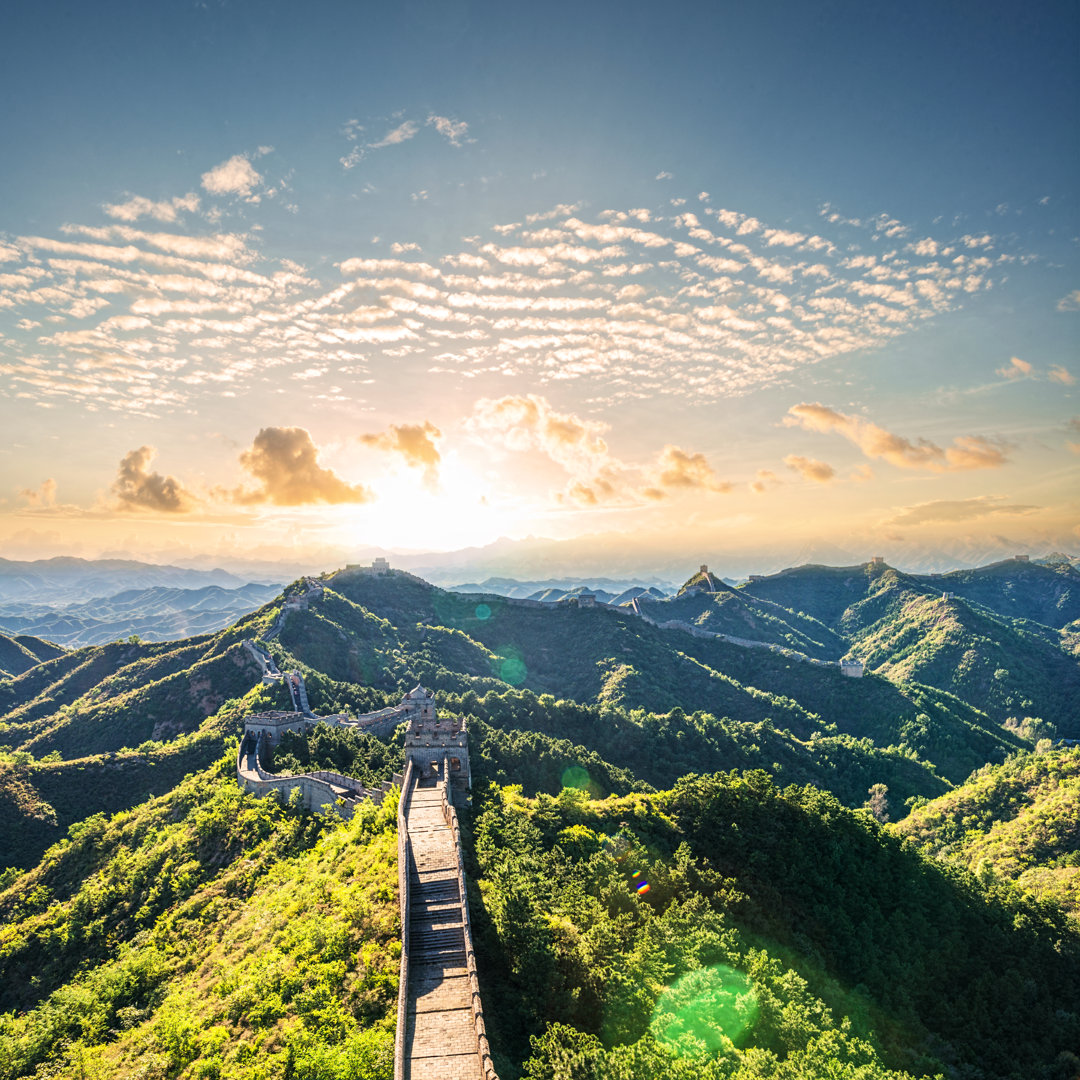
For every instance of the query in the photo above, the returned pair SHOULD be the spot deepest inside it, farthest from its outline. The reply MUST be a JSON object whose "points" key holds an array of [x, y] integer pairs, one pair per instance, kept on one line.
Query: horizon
{"points": [[450, 575], [432, 279]]}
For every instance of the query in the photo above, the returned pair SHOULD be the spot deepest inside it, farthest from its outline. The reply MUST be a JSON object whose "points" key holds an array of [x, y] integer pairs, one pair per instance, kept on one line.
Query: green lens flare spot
{"points": [[483, 611], [513, 671], [576, 777], [704, 1012]]}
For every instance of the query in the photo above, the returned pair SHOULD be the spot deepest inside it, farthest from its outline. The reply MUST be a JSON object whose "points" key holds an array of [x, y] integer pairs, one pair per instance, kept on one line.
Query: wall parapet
{"points": [[449, 812], [404, 861], [318, 788], [746, 643]]}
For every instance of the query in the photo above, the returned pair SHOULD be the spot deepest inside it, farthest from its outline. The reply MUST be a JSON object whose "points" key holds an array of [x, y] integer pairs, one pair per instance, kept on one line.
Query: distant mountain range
{"points": [[607, 590], [78, 602], [68, 580], [664, 560], [154, 614]]}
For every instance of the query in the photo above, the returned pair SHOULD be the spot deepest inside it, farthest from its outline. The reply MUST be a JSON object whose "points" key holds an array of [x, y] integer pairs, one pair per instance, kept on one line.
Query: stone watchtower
{"points": [[430, 740]]}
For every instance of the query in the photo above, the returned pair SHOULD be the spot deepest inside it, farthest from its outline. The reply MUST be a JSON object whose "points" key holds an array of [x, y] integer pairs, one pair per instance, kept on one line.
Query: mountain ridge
{"points": [[608, 754]]}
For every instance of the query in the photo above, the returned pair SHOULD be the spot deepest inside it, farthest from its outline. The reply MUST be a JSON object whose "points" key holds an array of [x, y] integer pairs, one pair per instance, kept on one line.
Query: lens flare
{"points": [[483, 611], [705, 1011], [576, 777], [510, 665], [513, 671]]}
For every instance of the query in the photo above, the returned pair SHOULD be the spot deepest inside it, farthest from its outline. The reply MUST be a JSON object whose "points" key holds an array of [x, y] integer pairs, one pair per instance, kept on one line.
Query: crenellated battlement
{"points": [[440, 1026]]}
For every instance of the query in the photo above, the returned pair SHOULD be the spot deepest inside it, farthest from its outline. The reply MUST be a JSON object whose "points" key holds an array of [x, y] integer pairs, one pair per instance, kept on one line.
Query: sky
{"points": [[286, 281]]}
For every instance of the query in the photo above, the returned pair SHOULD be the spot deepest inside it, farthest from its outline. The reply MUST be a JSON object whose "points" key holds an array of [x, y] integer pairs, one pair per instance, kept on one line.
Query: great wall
{"points": [[440, 1019], [440, 1032]]}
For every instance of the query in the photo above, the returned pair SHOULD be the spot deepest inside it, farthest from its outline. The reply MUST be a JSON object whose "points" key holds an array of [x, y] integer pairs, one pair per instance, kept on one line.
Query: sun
{"points": [[456, 509]]}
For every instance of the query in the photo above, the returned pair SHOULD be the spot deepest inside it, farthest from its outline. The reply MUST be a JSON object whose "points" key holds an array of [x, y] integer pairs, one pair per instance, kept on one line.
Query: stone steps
{"points": [[440, 1034]]}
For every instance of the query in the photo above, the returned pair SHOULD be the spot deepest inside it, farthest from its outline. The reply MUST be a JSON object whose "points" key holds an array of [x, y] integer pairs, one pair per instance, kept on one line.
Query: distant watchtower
{"points": [[430, 740], [702, 582]]}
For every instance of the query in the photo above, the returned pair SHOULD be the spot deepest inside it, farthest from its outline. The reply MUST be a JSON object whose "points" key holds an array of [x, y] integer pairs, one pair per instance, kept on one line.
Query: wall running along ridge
{"points": [[487, 1069], [404, 859], [324, 789]]}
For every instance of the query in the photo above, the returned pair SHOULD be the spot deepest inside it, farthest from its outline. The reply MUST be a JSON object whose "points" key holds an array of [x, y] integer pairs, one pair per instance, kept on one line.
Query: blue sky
{"points": [[551, 269]]}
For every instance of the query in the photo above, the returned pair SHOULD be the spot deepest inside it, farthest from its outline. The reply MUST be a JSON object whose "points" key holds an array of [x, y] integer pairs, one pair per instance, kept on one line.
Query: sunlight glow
{"points": [[411, 513]]}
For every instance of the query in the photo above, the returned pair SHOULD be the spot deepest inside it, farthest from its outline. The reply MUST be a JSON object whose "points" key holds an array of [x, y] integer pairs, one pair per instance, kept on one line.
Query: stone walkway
{"points": [[440, 1036]]}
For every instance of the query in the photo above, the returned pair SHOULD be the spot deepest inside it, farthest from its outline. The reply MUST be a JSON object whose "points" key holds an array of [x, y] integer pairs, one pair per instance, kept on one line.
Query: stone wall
{"points": [[404, 861], [275, 722], [429, 741], [487, 1068], [319, 789], [381, 723], [746, 643]]}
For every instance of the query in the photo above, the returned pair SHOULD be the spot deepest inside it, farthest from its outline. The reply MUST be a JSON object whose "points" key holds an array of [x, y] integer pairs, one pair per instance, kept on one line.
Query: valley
{"points": [[839, 854]]}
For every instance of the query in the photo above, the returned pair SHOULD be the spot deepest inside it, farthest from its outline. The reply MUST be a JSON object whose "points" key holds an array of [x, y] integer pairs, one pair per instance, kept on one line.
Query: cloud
{"points": [[525, 422], [891, 228], [1015, 369], [285, 462], [43, 495], [237, 176], [664, 175], [402, 133], [415, 443], [453, 130], [966, 451], [975, 452], [763, 480], [1070, 302], [678, 469], [783, 238], [528, 422], [559, 210], [810, 468], [1059, 374], [167, 210], [954, 510], [216, 246], [136, 488], [539, 299], [602, 487]]}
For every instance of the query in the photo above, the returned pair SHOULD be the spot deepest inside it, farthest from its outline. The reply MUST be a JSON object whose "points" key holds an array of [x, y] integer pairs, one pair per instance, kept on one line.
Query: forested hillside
{"points": [[776, 934], [101, 729], [20, 653], [393, 632], [675, 867], [998, 637], [1015, 822], [205, 933]]}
